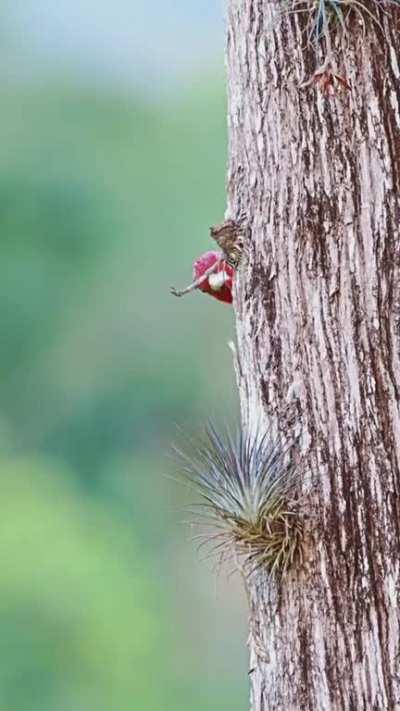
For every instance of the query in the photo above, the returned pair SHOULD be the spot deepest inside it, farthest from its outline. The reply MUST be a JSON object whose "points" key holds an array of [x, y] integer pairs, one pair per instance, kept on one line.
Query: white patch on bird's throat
{"points": [[217, 280]]}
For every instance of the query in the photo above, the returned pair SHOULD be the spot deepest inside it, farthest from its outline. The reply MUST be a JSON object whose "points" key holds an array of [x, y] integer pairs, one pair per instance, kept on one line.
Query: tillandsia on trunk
{"points": [[251, 506], [330, 22]]}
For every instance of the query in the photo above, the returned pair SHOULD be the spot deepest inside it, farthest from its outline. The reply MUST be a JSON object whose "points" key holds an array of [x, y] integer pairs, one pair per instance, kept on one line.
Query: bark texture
{"points": [[318, 327]]}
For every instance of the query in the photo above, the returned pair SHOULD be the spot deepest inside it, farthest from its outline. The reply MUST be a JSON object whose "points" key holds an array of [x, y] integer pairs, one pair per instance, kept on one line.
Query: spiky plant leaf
{"points": [[250, 492]]}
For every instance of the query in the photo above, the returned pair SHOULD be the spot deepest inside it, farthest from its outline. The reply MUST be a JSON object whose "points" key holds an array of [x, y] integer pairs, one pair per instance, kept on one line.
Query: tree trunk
{"points": [[318, 319]]}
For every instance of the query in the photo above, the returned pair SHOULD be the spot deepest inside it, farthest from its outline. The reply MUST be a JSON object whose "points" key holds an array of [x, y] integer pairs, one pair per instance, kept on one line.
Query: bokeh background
{"points": [[112, 168]]}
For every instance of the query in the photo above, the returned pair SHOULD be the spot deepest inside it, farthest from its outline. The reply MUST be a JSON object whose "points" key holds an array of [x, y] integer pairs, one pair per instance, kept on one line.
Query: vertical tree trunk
{"points": [[318, 318]]}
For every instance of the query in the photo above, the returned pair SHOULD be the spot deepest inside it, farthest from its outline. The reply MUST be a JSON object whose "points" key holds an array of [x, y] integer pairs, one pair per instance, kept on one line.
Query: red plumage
{"points": [[220, 282]]}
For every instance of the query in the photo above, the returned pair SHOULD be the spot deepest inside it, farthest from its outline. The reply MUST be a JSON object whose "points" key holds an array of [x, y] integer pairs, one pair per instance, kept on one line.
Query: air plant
{"points": [[326, 18], [250, 499]]}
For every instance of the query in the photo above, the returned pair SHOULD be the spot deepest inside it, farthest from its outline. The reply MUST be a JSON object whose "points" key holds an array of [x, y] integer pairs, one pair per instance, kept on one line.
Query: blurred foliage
{"points": [[74, 599], [103, 204]]}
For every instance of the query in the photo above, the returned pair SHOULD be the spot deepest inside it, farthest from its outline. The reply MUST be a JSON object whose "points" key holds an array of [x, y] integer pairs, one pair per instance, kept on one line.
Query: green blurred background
{"points": [[112, 168]]}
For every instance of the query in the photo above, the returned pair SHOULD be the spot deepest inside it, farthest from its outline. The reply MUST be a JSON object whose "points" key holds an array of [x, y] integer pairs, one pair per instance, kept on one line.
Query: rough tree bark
{"points": [[318, 328]]}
